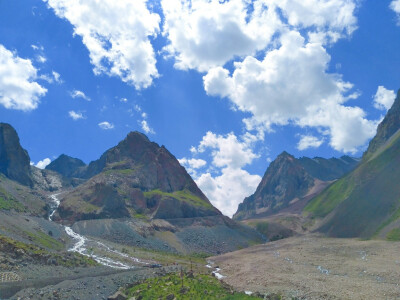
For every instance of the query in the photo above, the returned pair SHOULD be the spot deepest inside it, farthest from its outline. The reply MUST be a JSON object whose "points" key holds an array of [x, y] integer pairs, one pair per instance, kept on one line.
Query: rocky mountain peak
{"points": [[389, 126], [284, 180], [67, 166], [14, 160]]}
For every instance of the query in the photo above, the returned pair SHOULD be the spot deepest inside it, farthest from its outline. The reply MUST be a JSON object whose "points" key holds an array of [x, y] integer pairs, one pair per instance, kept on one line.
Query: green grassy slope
{"points": [[366, 200]]}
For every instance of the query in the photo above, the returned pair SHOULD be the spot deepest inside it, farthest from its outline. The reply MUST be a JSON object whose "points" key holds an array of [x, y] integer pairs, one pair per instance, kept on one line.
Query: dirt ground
{"points": [[314, 267]]}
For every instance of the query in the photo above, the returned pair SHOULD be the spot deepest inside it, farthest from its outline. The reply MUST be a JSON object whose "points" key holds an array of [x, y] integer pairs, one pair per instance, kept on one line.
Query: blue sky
{"points": [[225, 86]]}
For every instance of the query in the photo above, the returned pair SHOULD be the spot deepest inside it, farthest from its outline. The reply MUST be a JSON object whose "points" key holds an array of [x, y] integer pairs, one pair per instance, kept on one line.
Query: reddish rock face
{"points": [[14, 160]]}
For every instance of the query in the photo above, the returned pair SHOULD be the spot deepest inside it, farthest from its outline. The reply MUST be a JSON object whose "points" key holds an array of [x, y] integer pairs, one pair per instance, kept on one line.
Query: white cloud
{"points": [[146, 128], [79, 94], [309, 141], [225, 182], [57, 77], [76, 115], [384, 98], [41, 59], [106, 125], [37, 47], [229, 189], [204, 34], [291, 85], [43, 163], [116, 33], [18, 89], [123, 100], [334, 17], [395, 6], [54, 77], [227, 151], [192, 165]]}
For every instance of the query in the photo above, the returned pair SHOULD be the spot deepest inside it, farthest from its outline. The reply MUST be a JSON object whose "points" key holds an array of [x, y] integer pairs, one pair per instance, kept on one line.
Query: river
{"points": [[81, 242]]}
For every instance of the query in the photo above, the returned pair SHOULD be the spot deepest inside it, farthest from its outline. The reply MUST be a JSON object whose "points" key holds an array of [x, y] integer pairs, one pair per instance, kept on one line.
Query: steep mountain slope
{"points": [[386, 129], [366, 202], [14, 160], [290, 183], [137, 177]]}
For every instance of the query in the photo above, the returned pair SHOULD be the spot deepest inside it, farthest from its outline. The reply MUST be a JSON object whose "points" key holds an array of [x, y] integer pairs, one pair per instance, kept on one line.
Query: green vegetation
{"points": [[328, 200], [185, 196], [393, 235], [7, 202], [389, 220], [198, 287], [20, 249], [76, 203], [261, 226], [45, 240], [125, 172]]}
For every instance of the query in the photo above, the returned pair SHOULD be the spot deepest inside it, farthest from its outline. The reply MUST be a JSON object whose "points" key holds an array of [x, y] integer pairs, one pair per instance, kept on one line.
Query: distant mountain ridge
{"points": [[67, 166], [288, 180]]}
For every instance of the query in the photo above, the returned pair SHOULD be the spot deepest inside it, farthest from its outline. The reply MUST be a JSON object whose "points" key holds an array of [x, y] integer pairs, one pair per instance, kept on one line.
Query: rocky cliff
{"points": [[14, 160]]}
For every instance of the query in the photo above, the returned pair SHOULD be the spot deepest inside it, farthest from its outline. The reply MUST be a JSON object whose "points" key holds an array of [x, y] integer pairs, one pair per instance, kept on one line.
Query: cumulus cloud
{"points": [[384, 98], [333, 18], [309, 141], [395, 6], [192, 165], [43, 163], [75, 115], [291, 85], [79, 94], [204, 34], [18, 88], [106, 125], [116, 33], [224, 182]]}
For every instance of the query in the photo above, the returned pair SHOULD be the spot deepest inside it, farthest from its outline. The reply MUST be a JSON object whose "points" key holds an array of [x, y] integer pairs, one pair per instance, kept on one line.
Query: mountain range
{"points": [[136, 193], [345, 197]]}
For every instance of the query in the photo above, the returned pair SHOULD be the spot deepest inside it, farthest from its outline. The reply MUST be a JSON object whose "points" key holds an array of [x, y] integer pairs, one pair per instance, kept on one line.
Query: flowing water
{"points": [[82, 242]]}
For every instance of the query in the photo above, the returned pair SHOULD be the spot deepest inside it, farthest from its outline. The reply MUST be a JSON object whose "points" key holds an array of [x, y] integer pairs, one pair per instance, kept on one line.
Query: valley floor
{"points": [[314, 267]]}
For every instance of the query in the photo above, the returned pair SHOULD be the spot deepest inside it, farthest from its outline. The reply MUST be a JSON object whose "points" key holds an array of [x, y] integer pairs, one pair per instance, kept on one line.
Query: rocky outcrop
{"points": [[67, 166], [14, 160], [387, 128]]}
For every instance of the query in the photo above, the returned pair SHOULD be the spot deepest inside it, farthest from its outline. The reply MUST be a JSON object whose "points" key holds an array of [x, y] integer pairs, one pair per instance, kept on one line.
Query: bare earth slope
{"points": [[313, 267]]}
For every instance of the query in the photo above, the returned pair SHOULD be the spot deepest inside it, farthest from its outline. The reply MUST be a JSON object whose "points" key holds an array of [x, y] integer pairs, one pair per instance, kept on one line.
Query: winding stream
{"points": [[81, 245]]}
